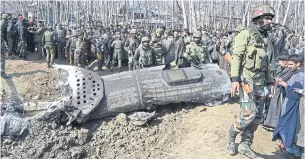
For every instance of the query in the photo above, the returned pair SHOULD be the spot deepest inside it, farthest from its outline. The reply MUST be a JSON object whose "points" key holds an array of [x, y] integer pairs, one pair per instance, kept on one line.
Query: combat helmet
{"points": [[133, 31], [145, 39], [197, 34], [4, 16], [159, 31], [262, 10]]}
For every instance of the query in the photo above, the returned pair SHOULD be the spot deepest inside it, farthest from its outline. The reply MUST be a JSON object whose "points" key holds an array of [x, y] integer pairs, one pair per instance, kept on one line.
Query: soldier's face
{"points": [[145, 43], [197, 39], [267, 20], [293, 66]]}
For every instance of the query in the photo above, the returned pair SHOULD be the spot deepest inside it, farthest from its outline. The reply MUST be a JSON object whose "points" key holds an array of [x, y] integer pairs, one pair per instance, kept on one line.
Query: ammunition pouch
{"points": [[255, 59]]}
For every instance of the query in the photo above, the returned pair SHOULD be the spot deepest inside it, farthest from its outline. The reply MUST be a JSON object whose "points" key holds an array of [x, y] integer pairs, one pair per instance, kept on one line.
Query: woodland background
{"points": [[156, 13]]}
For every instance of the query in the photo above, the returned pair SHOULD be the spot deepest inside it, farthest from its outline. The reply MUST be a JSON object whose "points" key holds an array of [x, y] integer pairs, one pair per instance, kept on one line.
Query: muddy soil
{"points": [[178, 131]]}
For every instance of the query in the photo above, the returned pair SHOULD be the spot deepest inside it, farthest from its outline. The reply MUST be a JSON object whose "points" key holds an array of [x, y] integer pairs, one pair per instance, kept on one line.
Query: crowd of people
{"points": [[262, 54]]}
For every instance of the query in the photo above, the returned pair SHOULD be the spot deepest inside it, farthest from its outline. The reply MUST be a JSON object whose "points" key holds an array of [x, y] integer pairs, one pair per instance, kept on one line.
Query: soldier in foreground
{"points": [[250, 64]]}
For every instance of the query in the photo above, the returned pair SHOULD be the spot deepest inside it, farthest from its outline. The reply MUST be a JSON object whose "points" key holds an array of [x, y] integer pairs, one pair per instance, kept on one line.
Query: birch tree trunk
{"points": [[286, 14], [246, 13], [277, 14], [184, 15]]}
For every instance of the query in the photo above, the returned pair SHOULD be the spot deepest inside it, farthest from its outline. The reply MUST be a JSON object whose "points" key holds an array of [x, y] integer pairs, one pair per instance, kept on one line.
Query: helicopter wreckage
{"points": [[87, 96]]}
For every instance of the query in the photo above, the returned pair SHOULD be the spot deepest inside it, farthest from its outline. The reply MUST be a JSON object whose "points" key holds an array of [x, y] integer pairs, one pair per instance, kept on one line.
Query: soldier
{"points": [[49, 40], [158, 48], [100, 52], [38, 37], [4, 24], [12, 35], [71, 46], [144, 55], [250, 64], [118, 46], [159, 32], [195, 51], [61, 34], [131, 45], [179, 48], [22, 38], [79, 54], [169, 43], [3, 56]]}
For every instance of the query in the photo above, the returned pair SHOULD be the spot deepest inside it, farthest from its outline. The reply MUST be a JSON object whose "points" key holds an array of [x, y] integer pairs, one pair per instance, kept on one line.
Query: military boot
{"points": [[231, 141], [244, 146]]}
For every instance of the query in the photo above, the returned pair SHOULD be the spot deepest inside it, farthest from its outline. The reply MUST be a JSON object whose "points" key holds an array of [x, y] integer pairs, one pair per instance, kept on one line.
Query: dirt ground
{"points": [[178, 131]]}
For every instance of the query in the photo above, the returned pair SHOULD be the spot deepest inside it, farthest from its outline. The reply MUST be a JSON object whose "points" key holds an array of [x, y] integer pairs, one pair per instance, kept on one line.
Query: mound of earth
{"points": [[178, 131]]}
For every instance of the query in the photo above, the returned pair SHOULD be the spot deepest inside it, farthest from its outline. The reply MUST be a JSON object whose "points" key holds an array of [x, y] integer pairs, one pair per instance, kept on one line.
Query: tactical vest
{"points": [[146, 56], [73, 43], [61, 34], [158, 51], [80, 44], [118, 45], [12, 30], [256, 58], [48, 35], [198, 50], [133, 44]]}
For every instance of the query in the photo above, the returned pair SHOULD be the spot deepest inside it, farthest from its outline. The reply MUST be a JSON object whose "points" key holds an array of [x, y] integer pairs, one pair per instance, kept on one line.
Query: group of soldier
{"points": [[245, 53]]}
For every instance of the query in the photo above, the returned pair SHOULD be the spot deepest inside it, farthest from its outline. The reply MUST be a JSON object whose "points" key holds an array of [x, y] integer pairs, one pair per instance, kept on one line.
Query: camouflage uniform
{"points": [[118, 46], [159, 49], [12, 35], [144, 55], [130, 46], [61, 34], [71, 45], [4, 24], [49, 40], [3, 52], [195, 52], [79, 54], [100, 52], [38, 37], [22, 34], [250, 62]]}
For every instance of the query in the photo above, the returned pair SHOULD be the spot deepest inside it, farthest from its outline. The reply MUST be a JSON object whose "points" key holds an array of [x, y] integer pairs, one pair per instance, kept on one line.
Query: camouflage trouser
{"points": [[71, 57], [11, 44], [117, 56], [2, 64], [130, 62], [61, 50], [22, 48], [77, 57], [100, 61], [50, 54], [38, 45], [251, 113], [109, 60]]}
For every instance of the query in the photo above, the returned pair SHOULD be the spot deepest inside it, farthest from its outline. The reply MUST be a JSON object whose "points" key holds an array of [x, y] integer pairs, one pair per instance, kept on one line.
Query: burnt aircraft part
{"points": [[143, 89]]}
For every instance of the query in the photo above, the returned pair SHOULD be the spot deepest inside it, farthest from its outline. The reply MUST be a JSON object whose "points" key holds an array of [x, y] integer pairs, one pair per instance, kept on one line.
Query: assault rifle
{"points": [[244, 84]]}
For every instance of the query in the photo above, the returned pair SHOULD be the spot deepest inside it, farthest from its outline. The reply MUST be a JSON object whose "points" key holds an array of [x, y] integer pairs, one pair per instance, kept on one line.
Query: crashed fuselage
{"points": [[95, 96]]}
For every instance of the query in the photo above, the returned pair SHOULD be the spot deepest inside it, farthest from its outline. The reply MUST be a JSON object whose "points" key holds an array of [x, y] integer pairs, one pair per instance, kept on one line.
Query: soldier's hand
{"points": [[234, 88]]}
